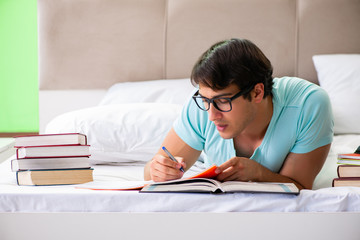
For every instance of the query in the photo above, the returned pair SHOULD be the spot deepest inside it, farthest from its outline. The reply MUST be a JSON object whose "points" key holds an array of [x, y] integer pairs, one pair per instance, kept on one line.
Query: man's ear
{"points": [[258, 92]]}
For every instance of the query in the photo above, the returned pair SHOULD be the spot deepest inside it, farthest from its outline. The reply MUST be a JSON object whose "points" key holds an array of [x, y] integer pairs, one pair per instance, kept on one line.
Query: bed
{"points": [[110, 68]]}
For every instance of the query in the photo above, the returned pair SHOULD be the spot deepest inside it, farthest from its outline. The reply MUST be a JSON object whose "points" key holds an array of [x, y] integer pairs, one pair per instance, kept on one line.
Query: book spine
{"points": [[14, 165], [86, 140], [17, 178], [17, 153]]}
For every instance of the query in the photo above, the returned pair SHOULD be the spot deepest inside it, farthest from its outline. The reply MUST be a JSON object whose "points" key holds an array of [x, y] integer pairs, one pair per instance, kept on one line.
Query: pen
{"points": [[172, 157]]}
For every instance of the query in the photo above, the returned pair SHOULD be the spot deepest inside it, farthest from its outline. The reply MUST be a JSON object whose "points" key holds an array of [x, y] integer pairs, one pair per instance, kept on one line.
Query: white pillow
{"points": [[175, 91], [339, 75], [120, 133]]}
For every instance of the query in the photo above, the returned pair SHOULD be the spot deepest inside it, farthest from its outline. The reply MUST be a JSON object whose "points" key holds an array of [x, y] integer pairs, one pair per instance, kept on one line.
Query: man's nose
{"points": [[214, 114]]}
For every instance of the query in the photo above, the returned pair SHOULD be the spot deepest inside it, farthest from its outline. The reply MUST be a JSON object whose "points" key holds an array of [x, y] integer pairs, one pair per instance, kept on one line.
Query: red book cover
{"points": [[208, 173]]}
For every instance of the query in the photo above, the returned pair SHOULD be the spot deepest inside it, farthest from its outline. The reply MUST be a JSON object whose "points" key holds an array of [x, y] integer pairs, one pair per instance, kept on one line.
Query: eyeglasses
{"points": [[222, 104]]}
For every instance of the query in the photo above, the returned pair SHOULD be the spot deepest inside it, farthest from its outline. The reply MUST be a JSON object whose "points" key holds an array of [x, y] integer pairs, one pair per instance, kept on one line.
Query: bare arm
{"points": [[300, 169], [162, 168], [304, 168]]}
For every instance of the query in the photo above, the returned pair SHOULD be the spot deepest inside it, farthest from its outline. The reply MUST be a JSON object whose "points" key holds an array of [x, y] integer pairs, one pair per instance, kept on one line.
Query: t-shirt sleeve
{"points": [[190, 125], [315, 123]]}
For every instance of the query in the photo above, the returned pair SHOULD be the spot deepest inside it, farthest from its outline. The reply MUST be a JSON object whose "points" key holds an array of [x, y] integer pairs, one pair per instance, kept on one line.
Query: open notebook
{"points": [[202, 182]]}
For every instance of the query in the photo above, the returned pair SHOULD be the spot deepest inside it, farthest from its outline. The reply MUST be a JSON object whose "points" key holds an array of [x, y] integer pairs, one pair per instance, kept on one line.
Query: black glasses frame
{"points": [[212, 100]]}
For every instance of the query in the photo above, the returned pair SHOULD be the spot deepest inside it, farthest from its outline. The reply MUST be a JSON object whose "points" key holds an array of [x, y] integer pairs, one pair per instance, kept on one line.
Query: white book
{"points": [[51, 139], [49, 163], [53, 151], [348, 161]]}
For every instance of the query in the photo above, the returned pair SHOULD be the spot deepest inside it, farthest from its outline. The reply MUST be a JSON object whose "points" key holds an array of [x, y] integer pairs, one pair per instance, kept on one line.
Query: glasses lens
{"points": [[223, 104], [202, 103]]}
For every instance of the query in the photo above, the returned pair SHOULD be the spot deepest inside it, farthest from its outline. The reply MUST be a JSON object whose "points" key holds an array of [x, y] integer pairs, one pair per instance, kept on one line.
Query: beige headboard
{"points": [[92, 44]]}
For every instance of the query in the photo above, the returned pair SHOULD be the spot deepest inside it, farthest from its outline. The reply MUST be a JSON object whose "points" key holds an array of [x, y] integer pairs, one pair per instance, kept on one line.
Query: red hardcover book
{"points": [[50, 139], [53, 151]]}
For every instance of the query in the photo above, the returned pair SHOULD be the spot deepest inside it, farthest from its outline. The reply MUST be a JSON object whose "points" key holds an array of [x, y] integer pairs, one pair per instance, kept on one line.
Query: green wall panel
{"points": [[18, 66]]}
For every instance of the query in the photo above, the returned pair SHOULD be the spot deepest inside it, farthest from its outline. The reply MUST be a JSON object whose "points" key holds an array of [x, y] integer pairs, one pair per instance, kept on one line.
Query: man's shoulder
{"points": [[292, 82], [293, 91]]}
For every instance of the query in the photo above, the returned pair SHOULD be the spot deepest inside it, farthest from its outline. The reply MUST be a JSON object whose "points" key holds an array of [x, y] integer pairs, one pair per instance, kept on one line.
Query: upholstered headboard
{"points": [[93, 44], [85, 46]]}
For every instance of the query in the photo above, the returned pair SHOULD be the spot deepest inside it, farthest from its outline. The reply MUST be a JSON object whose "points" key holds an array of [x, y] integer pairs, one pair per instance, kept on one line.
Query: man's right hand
{"points": [[164, 169]]}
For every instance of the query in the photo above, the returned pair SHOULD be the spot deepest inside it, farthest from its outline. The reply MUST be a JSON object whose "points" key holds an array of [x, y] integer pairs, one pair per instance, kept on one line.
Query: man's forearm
{"points": [[268, 176]]}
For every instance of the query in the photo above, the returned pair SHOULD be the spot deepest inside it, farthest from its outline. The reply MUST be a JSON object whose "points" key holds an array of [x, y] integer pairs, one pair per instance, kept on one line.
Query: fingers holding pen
{"points": [[163, 168], [181, 163], [166, 161], [172, 158]]}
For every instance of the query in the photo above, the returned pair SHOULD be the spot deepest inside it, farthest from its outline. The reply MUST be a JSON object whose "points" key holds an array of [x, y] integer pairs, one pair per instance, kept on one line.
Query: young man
{"points": [[253, 127]]}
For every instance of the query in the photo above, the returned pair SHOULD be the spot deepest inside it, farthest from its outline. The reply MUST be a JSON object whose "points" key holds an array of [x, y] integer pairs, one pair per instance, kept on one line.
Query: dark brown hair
{"points": [[234, 61]]}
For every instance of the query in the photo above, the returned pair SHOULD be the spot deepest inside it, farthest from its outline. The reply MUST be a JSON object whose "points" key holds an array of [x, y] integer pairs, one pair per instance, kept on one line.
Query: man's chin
{"points": [[225, 135]]}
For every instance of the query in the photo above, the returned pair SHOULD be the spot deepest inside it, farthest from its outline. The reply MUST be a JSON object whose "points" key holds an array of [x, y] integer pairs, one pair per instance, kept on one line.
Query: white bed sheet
{"points": [[15, 198]]}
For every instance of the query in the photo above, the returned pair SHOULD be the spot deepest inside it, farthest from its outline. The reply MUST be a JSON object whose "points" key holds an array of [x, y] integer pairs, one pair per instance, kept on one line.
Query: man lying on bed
{"points": [[253, 127]]}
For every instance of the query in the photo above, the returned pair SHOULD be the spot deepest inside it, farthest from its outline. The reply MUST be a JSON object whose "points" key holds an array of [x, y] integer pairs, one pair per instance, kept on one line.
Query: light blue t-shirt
{"points": [[301, 122]]}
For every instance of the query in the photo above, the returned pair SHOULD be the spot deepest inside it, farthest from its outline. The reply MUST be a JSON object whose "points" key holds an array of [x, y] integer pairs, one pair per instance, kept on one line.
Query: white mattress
{"points": [[15, 198]]}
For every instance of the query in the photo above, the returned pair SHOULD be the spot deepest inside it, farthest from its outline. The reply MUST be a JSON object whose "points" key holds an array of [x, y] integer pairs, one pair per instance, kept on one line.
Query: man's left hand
{"points": [[239, 169]]}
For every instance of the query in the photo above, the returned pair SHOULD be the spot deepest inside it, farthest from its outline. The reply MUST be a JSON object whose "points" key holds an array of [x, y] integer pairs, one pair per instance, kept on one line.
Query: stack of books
{"points": [[348, 170], [52, 159]]}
